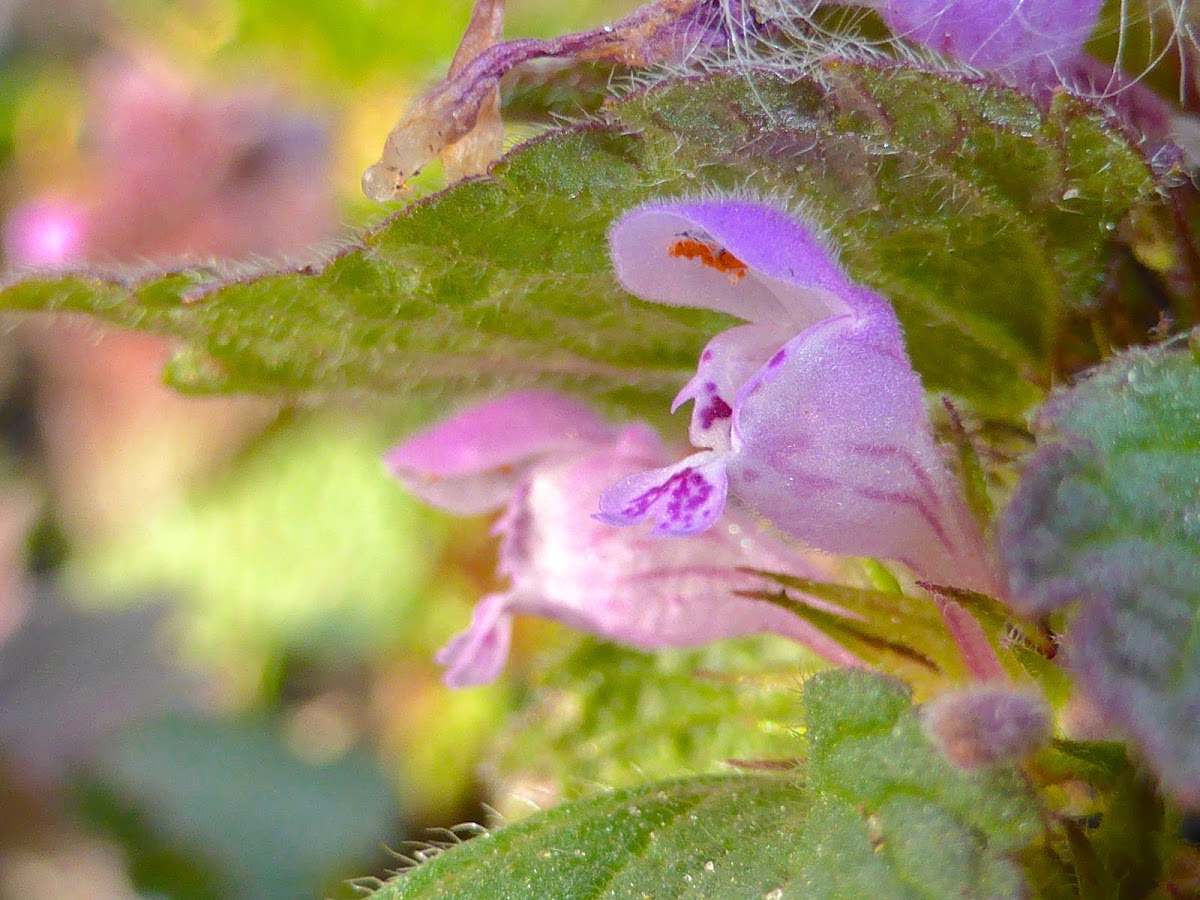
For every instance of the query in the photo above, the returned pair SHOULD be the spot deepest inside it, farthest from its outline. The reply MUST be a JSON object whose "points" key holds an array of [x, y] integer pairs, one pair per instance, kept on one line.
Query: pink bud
{"points": [[987, 725]]}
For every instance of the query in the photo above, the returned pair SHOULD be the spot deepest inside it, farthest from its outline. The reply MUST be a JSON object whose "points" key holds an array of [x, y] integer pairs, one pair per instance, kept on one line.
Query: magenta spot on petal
{"points": [[689, 491], [706, 356], [710, 386], [641, 504], [777, 359], [717, 409], [686, 492]]}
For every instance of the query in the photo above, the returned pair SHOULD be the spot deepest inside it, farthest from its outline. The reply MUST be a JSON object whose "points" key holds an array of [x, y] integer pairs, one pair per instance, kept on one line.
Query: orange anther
{"points": [[709, 255]]}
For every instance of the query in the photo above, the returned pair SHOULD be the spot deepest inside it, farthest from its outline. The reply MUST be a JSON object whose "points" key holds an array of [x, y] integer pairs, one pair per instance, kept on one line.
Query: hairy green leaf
{"points": [[712, 836], [879, 814], [904, 818], [983, 219], [1108, 514]]}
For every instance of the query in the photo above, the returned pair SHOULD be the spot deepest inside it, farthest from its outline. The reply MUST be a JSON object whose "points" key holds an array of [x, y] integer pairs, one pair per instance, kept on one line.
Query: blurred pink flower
{"points": [[177, 173], [46, 233]]}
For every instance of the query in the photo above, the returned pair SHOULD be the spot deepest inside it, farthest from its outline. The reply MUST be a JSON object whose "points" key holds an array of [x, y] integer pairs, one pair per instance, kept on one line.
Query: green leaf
{"points": [[1129, 833], [605, 717], [984, 220], [231, 793], [913, 822], [713, 836], [1108, 514], [880, 814]]}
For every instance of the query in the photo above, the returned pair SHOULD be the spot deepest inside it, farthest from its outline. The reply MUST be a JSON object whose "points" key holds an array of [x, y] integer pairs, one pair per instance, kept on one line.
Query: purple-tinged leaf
{"points": [[1107, 517]]}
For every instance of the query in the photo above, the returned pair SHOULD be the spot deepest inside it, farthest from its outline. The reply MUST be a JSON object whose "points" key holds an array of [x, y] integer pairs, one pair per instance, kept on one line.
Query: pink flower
{"points": [[1027, 40], [545, 459], [46, 233], [177, 172], [811, 413]]}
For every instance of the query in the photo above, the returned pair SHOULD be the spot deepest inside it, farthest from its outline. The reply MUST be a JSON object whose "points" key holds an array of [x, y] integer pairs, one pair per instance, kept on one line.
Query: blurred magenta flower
{"points": [[545, 459], [174, 172], [811, 414], [46, 233]]}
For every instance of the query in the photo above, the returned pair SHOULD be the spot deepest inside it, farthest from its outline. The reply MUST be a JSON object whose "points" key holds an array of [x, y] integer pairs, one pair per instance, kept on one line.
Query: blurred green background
{"points": [[218, 616]]}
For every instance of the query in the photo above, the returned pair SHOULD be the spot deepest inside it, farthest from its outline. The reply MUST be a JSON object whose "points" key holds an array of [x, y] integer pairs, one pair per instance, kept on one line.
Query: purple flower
{"points": [[1024, 39], [811, 414], [545, 460]]}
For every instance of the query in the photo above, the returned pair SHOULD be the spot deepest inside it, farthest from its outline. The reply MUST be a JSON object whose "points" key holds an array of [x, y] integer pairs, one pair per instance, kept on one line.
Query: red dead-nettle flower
{"points": [[811, 413]]}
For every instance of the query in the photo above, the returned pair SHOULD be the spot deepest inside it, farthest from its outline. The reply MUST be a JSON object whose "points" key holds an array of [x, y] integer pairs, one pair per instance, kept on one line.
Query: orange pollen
{"points": [[714, 257]]}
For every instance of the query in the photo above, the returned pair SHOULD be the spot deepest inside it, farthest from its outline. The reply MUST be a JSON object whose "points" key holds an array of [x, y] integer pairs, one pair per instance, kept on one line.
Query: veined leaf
{"points": [[985, 221], [879, 814]]}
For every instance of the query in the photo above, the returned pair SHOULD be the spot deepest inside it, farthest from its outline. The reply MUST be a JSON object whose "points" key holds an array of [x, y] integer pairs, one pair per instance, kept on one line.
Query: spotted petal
{"points": [[686, 498], [624, 584], [726, 363]]}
